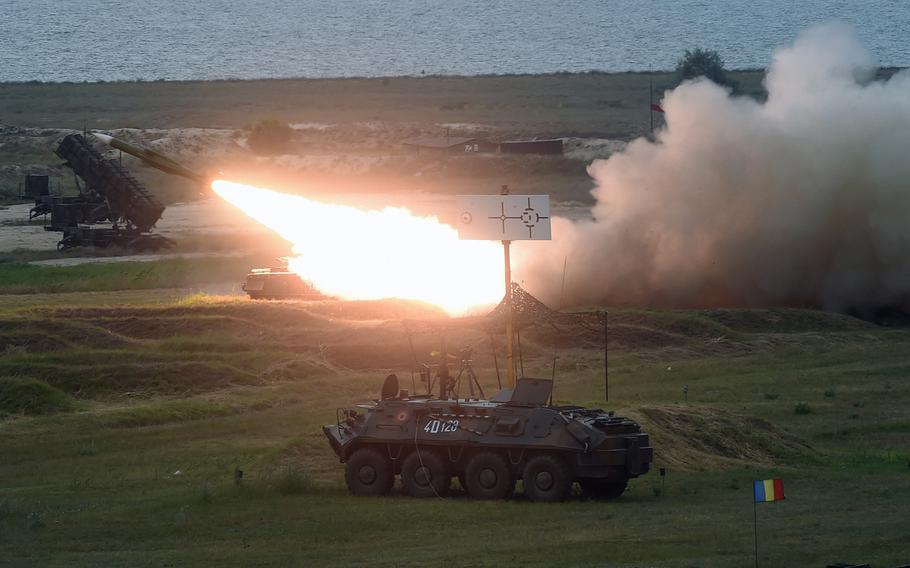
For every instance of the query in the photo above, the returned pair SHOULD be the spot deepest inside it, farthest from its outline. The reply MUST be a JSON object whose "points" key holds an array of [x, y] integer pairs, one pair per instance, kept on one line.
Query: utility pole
{"points": [[651, 98]]}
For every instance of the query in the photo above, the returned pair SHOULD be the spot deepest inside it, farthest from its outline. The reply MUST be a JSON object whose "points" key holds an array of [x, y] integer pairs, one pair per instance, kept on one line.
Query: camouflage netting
{"points": [[527, 311]]}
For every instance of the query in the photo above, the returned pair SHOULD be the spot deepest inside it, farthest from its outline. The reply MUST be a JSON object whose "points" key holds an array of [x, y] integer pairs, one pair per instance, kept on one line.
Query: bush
{"points": [[771, 396], [703, 63], [802, 408], [20, 395], [830, 393], [270, 137]]}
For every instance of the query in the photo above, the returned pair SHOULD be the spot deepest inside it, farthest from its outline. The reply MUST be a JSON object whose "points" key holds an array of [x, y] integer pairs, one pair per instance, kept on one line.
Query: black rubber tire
{"points": [[425, 474], [488, 476], [547, 478], [602, 488], [368, 472]]}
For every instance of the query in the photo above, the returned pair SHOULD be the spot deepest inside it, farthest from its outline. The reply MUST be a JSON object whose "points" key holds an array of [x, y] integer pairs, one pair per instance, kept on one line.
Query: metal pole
{"points": [[606, 358], [521, 356], [510, 355], [755, 523], [413, 359], [443, 371], [495, 361]]}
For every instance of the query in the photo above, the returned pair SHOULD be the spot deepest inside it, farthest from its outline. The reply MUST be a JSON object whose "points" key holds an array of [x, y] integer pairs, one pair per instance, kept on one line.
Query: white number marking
{"points": [[440, 426]]}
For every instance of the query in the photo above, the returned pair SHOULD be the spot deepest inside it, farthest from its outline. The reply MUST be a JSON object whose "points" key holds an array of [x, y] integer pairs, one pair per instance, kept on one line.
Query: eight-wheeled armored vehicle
{"points": [[487, 444]]}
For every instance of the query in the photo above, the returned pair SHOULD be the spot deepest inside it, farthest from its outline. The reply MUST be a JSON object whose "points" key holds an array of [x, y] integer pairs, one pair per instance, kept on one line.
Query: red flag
{"points": [[656, 108]]}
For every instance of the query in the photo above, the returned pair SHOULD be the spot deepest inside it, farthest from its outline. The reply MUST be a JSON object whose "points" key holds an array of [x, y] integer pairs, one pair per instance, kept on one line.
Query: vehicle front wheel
{"points": [[369, 472], [488, 476], [424, 474], [547, 478]]}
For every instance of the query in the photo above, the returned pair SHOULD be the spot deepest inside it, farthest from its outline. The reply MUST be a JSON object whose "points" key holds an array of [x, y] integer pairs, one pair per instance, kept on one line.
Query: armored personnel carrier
{"points": [[487, 444], [278, 283]]}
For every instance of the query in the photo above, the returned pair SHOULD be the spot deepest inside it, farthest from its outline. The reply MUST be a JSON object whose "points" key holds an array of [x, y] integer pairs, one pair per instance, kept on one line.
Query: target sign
{"points": [[504, 217]]}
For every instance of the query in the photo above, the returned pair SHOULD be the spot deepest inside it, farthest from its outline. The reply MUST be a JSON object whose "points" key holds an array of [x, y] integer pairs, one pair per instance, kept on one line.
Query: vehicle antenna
{"points": [[495, 361], [407, 331]]}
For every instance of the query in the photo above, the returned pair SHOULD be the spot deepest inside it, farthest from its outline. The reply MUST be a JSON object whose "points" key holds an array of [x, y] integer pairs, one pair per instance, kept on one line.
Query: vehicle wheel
{"points": [[603, 488], [369, 472], [547, 478], [488, 476], [424, 474]]}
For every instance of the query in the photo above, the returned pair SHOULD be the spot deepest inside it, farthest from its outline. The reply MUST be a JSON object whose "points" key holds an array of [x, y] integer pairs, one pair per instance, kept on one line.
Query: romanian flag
{"points": [[769, 490]]}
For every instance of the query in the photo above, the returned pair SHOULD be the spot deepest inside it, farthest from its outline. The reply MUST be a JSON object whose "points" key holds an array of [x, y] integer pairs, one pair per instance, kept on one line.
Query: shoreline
{"points": [[370, 77], [889, 69]]}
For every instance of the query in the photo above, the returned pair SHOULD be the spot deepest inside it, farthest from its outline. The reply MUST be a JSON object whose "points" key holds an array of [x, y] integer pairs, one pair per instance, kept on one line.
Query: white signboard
{"points": [[504, 217]]}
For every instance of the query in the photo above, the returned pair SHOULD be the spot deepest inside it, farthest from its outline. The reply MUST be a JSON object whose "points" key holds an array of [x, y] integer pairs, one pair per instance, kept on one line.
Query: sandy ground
{"points": [[211, 217]]}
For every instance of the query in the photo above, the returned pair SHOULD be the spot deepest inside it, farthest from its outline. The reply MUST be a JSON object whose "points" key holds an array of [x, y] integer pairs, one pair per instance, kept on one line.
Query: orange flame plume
{"points": [[365, 255]]}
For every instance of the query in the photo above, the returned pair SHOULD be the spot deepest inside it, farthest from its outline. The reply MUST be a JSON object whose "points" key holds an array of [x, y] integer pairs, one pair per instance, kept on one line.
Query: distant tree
{"points": [[270, 137], [703, 63]]}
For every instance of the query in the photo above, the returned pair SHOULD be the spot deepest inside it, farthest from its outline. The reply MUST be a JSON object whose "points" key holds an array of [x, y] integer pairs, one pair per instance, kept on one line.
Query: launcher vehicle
{"points": [[487, 444], [112, 208]]}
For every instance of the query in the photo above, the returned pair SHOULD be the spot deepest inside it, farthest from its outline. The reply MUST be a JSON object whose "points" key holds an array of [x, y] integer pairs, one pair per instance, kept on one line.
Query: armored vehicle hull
{"points": [[488, 445], [278, 284]]}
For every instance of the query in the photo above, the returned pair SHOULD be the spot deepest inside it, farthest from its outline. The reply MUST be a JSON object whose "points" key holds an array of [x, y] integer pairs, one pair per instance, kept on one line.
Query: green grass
{"points": [[22, 278], [27, 396], [576, 102], [144, 476]]}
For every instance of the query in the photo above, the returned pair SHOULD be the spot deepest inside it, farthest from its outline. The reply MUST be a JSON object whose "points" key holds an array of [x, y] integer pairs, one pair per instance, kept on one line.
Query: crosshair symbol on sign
{"points": [[529, 218]]}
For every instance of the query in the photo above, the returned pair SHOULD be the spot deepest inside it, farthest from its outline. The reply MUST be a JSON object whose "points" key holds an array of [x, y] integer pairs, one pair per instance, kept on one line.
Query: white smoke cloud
{"points": [[800, 200]]}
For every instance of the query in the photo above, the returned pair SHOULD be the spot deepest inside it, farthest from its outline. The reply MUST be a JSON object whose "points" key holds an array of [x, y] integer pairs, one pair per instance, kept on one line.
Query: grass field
{"points": [[129, 396], [349, 130], [126, 415], [18, 277], [605, 104]]}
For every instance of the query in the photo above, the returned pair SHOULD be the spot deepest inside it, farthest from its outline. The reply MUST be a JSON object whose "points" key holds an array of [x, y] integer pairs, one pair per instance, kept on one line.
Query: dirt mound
{"points": [[251, 322], [394, 354], [163, 327], [19, 395], [131, 379], [36, 335], [682, 323], [30, 342], [696, 438], [294, 369], [783, 320], [377, 310]]}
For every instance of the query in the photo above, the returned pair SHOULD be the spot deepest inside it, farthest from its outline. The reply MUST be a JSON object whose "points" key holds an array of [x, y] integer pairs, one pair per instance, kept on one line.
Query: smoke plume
{"points": [[800, 200]]}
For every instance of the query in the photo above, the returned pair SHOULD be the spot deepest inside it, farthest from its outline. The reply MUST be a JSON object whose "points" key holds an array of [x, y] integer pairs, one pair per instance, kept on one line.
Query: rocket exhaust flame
{"points": [[366, 255]]}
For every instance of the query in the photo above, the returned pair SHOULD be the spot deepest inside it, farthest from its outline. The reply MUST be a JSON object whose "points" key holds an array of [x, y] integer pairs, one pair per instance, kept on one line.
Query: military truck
{"points": [[488, 445], [278, 283]]}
